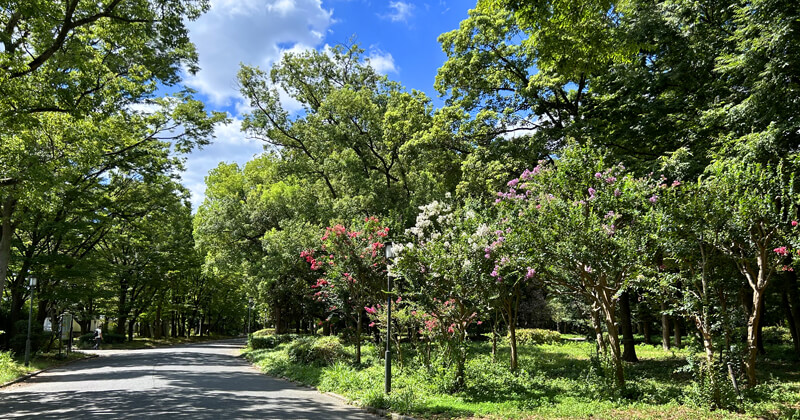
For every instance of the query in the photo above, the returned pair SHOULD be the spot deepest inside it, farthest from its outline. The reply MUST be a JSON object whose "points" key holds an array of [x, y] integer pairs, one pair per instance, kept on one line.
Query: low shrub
{"points": [[264, 332], [313, 350], [776, 335], [257, 342], [537, 336], [327, 350]]}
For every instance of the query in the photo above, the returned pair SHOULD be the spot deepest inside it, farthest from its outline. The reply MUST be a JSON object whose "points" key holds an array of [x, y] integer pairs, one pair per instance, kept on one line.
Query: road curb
{"points": [[32, 374]]}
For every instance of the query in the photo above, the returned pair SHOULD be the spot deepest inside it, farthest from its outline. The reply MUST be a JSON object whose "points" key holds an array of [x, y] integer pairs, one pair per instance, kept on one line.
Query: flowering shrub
{"points": [[405, 318], [447, 272], [585, 223], [352, 269]]}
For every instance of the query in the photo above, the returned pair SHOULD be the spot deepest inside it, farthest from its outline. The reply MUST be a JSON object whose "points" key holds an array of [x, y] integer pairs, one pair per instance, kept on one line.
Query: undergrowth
{"points": [[554, 380]]}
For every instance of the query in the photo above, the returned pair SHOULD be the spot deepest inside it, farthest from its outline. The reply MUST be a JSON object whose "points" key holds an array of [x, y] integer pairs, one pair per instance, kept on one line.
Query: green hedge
{"points": [[264, 332], [537, 336], [257, 342], [316, 350]]}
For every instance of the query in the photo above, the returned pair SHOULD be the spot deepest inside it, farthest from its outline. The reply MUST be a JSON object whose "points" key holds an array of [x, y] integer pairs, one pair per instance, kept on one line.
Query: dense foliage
{"points": [[610, 168]]}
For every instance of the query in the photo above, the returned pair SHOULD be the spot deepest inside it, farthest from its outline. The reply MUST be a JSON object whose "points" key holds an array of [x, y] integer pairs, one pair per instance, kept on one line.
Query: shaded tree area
{"points": [[89, 151]]}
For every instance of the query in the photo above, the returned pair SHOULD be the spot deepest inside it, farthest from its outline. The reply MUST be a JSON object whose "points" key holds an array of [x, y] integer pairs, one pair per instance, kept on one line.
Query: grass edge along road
{"points": [[12, 366], [555, 381]]}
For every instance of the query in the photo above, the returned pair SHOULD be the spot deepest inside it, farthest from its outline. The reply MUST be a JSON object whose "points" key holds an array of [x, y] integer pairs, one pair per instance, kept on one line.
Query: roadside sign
{"points": [[66, 326]]}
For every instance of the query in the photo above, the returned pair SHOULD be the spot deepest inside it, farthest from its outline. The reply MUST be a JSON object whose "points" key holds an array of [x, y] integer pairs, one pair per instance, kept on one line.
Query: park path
{"points": [[197, 381]]}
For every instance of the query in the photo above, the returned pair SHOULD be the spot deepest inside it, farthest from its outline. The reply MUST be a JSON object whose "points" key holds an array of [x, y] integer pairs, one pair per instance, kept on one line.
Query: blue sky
{"points": [[400, 37]]}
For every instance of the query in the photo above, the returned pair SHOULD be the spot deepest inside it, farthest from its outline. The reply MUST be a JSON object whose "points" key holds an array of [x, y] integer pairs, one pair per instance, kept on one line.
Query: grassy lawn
{"points": [[555, 381], [12, 367]]}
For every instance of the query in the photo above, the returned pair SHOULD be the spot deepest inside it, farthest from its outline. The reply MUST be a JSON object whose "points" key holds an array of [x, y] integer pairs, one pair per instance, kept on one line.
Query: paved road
{"points": [[199, 381]]}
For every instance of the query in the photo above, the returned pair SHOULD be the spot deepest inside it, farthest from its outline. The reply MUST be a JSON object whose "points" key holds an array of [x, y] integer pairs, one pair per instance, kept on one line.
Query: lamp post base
{"points": [[27, 351], [388, 382]]}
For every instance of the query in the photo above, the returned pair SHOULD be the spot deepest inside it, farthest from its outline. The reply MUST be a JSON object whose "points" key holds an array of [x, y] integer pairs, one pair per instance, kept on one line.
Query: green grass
{"points": [[12, 367], [554, 381]]}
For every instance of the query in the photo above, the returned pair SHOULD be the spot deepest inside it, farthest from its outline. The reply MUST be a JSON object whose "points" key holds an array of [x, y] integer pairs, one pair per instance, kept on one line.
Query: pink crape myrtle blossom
{"points": [[781, 250]]}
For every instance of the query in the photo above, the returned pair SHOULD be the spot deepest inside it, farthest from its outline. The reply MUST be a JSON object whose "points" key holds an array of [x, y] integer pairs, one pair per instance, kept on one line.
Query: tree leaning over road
{"points": [[85, 59]]}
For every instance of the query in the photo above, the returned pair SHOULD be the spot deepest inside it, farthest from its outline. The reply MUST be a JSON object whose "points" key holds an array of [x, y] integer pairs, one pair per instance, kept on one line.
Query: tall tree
{"points": [[353, 139], [78, 58]]}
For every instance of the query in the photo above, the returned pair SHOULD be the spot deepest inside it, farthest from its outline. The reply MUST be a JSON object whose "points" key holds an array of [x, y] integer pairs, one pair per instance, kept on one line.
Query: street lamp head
{"points": [[32, 281], [389, 250]]}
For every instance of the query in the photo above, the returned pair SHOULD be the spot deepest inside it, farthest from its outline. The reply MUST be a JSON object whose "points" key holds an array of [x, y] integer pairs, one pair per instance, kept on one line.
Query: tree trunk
{"points": [[664, 327], [752, 332], [6, 234], [705, 333], [613, 343], [17, 302], [760, 334], [157, 323], [794, 301], [598, 330], [494, 339], [646, 332], [512, 332], [131, 324], [790, 319], [629, 353], [677, 323], [278, 321], [122, 311]]}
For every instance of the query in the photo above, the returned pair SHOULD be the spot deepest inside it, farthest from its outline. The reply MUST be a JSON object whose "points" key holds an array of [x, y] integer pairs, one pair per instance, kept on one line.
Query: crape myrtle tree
{"points": [[761, 201], [584, 226], [696, 278], [351, 262], [79, 58], [446, 270]]}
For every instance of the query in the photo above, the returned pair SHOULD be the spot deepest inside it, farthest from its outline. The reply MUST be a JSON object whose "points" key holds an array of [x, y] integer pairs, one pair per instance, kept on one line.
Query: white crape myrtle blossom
{"points": [[434, 211]]}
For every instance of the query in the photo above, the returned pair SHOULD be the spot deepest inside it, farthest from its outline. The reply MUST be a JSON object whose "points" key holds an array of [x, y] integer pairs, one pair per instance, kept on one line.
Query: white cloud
{"points": [[382, 62], [253, 32], [401, 11], [230, 145]]}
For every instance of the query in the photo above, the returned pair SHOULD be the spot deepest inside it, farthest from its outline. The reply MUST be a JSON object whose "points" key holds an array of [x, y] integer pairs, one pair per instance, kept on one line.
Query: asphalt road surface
{"points": [[198, 381]]}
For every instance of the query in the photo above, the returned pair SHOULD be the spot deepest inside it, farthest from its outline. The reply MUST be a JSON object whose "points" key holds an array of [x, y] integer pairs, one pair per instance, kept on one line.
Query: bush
{"points": [[776, 335], [537, 336], [258, 342], [264, 332], [312, 350], [39, 338]]}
